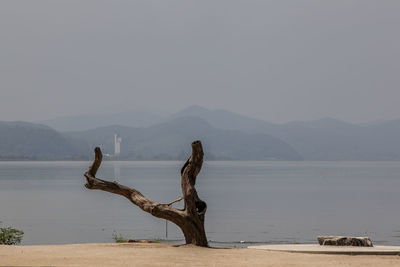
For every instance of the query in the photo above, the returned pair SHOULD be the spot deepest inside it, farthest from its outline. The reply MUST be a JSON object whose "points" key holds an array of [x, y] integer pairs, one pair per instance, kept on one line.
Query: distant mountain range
{"points": [[91, 121], [225, 136], [22, 140], [172, 139], [323, 139]]}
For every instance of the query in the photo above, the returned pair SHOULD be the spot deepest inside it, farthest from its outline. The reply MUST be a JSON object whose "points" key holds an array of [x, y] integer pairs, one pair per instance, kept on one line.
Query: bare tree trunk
{"points": [[190, 219]]}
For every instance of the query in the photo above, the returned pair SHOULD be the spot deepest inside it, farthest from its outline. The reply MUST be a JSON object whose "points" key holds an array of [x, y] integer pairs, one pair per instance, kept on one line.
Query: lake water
{"points": [[260, 202]]}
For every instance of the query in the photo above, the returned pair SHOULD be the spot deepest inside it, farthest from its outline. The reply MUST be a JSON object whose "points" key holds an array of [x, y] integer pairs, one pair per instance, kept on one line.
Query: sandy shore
{"points": [[168, 255]]}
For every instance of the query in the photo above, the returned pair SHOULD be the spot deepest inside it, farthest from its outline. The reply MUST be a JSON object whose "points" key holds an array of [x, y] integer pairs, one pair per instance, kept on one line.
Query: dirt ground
{"points": [[167, 255]]}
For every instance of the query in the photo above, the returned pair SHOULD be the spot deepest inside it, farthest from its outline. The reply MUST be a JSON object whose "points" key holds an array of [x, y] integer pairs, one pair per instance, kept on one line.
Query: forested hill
{"points": [[28, 141], [225, 135], [172, 139], [165, 141], [323, 139]]}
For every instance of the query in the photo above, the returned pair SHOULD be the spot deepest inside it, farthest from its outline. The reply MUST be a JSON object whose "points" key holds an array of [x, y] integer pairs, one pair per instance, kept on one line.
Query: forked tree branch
{"points": [[190, 219], [157, 209]]}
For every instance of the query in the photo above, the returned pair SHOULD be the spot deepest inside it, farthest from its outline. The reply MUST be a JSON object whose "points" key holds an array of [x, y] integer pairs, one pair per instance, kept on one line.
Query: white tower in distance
{"points": [[117, 145]]}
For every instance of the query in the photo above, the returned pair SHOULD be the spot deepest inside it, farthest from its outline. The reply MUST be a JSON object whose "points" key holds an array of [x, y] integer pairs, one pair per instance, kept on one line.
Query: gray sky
{"points": [[274, 60]]}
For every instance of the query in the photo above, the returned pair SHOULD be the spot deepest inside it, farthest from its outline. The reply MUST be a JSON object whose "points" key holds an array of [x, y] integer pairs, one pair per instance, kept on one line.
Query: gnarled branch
{"points": [[157, 209], [190, 219]]}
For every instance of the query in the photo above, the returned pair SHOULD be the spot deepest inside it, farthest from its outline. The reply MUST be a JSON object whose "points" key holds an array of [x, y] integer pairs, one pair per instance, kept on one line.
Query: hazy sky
{"points": [[275, 60]]}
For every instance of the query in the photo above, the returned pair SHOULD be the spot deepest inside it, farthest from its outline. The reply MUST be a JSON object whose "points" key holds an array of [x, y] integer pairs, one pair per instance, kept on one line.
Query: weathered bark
{"points": [[190, 219], [355, 241]]}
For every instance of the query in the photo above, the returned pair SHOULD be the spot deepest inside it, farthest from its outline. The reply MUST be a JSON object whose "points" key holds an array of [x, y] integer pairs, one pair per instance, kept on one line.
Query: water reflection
{"points": [[117, 170]]}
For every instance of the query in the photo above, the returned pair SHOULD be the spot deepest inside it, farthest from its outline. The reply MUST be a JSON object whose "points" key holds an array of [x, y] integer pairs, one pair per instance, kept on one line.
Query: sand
{"points": [[167, 255]]}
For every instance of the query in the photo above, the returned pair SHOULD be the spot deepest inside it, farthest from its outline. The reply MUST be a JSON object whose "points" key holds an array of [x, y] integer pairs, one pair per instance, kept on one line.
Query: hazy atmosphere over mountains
{"points": [[281, 65], [274, 60], [225, 135]]}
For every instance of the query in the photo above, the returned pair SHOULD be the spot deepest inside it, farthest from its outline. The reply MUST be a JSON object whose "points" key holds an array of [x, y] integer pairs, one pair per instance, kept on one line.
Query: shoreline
{"points": [[159, 254]]}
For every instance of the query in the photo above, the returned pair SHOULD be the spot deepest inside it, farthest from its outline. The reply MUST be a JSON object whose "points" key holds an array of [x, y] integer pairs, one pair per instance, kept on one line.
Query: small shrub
{"points": [[10, 236], [118, 238]]}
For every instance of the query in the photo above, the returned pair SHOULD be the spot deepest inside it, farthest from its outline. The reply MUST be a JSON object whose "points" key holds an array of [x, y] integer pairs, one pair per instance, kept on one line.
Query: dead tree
{"points": [[190, 219]]}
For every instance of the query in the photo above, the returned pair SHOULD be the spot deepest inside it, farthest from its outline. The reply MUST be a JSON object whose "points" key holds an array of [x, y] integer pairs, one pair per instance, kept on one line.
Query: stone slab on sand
{"points": [[143, 255], [315, 248]]}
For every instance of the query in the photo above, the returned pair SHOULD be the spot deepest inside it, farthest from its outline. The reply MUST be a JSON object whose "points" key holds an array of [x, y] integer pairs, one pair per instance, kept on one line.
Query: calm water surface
{"points": [[249, 201]]}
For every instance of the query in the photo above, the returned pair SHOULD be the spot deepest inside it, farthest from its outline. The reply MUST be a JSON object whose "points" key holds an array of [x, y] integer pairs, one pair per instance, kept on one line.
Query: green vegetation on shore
{"points": [[10, 236]]}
